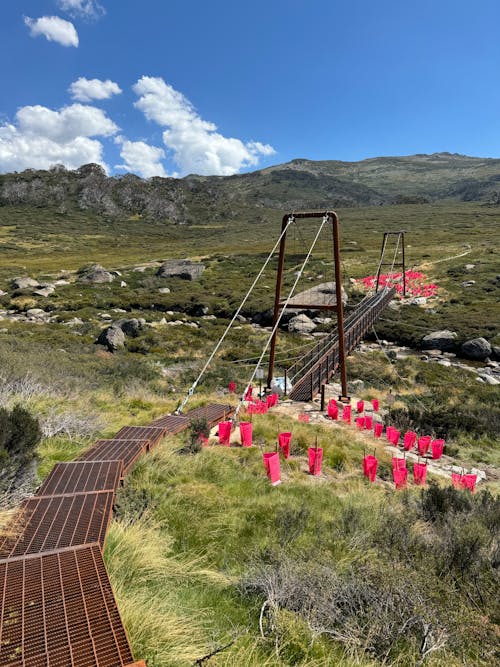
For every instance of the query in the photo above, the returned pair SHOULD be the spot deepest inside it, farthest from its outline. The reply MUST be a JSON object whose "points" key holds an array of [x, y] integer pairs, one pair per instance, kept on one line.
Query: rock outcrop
{"points": [[477, 349], [445, 341], [94, 274], [181, 268]]}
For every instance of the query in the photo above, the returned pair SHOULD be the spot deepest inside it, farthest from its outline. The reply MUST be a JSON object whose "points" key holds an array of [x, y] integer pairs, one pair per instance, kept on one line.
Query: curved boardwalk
{"points": [[57, 607]]}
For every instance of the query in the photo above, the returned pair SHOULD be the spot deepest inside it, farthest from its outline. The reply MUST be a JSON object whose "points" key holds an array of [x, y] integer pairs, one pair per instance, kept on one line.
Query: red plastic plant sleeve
{"points": [[224, 433], [315, 459], [246, 434], [370, 464]]}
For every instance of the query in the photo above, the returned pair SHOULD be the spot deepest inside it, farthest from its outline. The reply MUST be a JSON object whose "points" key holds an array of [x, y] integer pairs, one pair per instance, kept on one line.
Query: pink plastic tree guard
{"points": [[409, 440], [388, 432], [203, 439], [224, 433], [248, 393], [360, 423], [368, 422], [456, 479], [246, 434], [346, 413], [378, 428], [303, 418], [376, 404], [315, 459], [437, 447], [400, 476], [398, 463], [269, 401], [333, 410], [424, 442], [232, 387], [370, 464], [274, 400], [284, 440], [469, 482], [360, 406], [272, 464], [395, 436], [419, 473]]}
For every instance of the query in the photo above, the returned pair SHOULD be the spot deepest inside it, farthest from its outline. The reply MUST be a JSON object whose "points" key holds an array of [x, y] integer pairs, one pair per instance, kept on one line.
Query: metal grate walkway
{"points": [[57, 607]]}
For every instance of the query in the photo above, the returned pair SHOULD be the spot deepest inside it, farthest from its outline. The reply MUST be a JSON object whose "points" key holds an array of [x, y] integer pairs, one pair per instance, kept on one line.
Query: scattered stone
{"points": [[468, 283], [2, 293], [116, 273], [208, 317], [444, 362], [57, 283], [73, 322], [140, 269], [119, 310], [37, 313], [301, 324], [181, 268], [112, 337], [477, 349], [44, 291], [440, 340], [164, 290], [94, 274], [469, 267], [239, 318], [123, 284], [419, 301], [105, 316], [495, 352], [24, 283], [434, 353], [489, 379], [131, 327], [355, 386]]}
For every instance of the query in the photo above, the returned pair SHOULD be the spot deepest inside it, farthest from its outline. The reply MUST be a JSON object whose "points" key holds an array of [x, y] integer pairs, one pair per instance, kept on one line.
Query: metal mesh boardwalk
{"points": [[151, 433], [125, 450], [213, 413], [57, 606], [54, 522], [58, 610], [82, 477]]}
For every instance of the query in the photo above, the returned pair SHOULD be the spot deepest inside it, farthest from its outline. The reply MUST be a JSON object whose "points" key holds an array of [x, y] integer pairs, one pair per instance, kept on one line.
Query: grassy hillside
{"points": [[202, 548]]}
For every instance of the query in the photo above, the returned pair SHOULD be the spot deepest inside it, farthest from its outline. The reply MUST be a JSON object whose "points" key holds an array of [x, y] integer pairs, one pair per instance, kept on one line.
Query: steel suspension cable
{"points": [[221, 339], [325, 220]]}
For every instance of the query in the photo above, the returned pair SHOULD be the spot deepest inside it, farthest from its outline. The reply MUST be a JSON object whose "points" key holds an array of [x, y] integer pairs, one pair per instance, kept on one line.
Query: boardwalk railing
{"points": [[319, 364]]}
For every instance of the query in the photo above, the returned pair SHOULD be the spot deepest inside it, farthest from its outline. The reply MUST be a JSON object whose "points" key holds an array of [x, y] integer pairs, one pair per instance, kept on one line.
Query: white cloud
{"points": [[54, 28], [42, 137], [86, 90], [140, 158], [88, 9], [197, 146]]}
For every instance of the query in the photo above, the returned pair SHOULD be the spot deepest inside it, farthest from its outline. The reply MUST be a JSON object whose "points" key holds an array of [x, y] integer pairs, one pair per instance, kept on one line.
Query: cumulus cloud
{"points": [[54, 28], [42, 137], [87, 9], [141, 158], [196, 145], [86, 90]]}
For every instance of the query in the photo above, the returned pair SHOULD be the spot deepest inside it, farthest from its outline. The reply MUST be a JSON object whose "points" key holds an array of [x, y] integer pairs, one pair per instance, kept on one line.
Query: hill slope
{"points": [[299, 184]]}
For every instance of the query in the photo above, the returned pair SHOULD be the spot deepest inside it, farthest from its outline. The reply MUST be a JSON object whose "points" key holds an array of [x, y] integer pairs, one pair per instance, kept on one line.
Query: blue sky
{"points": [[164, 87]]}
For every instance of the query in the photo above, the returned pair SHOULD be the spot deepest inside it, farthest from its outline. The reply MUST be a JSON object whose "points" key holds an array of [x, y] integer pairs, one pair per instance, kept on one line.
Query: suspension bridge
{"points": [[57, 606]]}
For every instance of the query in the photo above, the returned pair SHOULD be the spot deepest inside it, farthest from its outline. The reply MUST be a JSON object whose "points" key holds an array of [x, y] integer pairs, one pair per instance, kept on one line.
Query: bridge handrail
{"points": [[314, 355]]}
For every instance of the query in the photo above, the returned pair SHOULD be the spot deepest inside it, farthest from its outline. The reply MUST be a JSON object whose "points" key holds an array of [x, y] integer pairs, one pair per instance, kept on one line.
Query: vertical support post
{"points": [[286, 375], [322, 398], [382, 251], [404, 265], [339, 304], [277, 299]]}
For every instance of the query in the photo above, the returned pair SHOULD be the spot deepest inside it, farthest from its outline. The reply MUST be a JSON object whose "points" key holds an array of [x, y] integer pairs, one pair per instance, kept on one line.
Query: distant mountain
{"points": [[299, 184]]}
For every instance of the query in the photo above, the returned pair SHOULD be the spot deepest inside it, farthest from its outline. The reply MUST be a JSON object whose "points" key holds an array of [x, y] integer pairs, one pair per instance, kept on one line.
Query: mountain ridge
{"points": [[298, 184]]}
